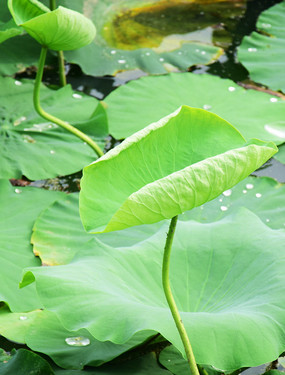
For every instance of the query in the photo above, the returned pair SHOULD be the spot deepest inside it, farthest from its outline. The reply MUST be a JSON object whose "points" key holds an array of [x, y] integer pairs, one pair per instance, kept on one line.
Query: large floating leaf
{"points": [[184, 160], [8, 30], [138, 103], [58, 232], [155, 36], [43, 332], [231, 302], [38, 149], [262, 53], [60, 29], [25, 362], [19, 209]]}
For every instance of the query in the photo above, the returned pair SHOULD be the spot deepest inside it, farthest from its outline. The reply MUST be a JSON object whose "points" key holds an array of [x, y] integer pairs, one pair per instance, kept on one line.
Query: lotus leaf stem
{"points": [[170, 299], [52, 118], [60, 55]]}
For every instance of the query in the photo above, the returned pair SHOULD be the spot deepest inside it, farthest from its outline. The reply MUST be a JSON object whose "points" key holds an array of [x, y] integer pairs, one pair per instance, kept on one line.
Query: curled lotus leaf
{"points": [[60, 29], [180, 162]]}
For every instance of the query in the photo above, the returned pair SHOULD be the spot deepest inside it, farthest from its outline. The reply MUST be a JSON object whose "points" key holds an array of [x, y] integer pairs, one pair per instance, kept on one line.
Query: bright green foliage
{"points": [[262, 53], [61, 29], [226, 290], [58, 233], [205, 156], [19, 209], [281, 154], [38, 149], [255, 114]]}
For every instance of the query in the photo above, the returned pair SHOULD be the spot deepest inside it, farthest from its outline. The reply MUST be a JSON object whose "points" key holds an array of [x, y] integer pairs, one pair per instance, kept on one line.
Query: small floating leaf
{"points": [[182, 161]]}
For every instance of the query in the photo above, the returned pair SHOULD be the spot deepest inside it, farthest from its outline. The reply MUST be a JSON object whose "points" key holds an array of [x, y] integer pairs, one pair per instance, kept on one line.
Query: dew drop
{"points": [[231, 88], [122, 61], [244, 191], [221, 199], [258, 195], [52, 152], [22, 317], [147, 53], [273, 100], [18, 83], [227, 193], [77, 341], [252, 49], [266, 25], [77, 96], [207, 106], [202, 207], [224, 208], [113, 52], [249, 186], [169, 360], [18, 191], [197, 50], [161, 59], [203, 52], [179, 53], [267, 220]]}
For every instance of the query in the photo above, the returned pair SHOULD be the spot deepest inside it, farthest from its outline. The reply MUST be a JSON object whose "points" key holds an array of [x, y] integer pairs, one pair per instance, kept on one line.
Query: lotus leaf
{"points": [[42, 332], [234, 316], [281, 154], [25, 362], [253, 113], [38, 149], [58, 232], [262, 53], [19, 209], [60, 29], [138, 34], [8, 30], [151, 187]]}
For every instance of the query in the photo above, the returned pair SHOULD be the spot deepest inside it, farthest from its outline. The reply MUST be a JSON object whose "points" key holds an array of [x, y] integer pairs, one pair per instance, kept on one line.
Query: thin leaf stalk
{"points": [[60, 55], [53, 119], [170, 299]]}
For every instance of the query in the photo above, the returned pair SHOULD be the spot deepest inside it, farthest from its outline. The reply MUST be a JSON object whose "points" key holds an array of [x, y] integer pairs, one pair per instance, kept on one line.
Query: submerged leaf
{"points": [[60, 29], [229, 289], [186, 159]]}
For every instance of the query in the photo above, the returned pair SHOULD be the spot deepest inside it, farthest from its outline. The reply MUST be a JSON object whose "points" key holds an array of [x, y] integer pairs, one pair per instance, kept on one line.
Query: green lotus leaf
{"points": [[42, 332], [262, 53], [23, 361], [229, 289], [60, 29], [8, 30], [205, 156], [19, 209], [58, 232], [255, 114], [38, 149]]}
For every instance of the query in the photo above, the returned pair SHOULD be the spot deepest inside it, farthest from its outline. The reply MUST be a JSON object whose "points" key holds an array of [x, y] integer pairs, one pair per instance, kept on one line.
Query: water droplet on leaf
{"points": [[224, 208], [77, 341], [207, 106], [77, 96], [273, 100], [52, 152], [18, 191], [121, 61], [22, 317], [258, 195], [249, 186], [18, 83], [227, 193], [231, 88], [252, 49]]}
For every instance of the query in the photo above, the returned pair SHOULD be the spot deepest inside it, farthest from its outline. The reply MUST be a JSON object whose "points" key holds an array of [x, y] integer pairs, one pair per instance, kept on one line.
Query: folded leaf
{"points": [[186, 159], [60, 29]]}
